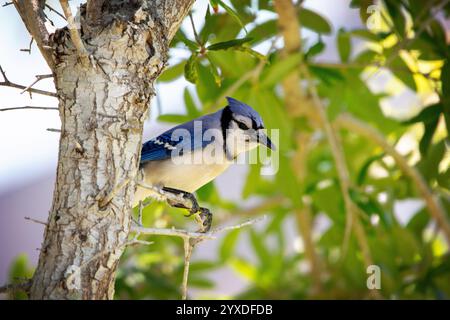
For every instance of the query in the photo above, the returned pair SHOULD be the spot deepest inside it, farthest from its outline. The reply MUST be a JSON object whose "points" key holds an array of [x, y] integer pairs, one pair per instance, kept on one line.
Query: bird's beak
{"points": [[263, 139]]}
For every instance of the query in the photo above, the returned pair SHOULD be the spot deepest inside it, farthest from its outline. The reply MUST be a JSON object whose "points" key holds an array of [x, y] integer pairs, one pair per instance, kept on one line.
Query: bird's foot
{"points": [[195, 207], [205, 216], [186, 195], [206, 219]]}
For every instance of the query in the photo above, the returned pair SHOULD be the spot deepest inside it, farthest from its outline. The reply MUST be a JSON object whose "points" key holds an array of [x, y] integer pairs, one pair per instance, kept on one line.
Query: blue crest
{"points": [[241, 108]]}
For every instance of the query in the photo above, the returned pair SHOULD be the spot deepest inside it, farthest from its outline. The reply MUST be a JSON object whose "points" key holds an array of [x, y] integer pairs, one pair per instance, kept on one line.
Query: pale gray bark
{"points": [[102, 108]]}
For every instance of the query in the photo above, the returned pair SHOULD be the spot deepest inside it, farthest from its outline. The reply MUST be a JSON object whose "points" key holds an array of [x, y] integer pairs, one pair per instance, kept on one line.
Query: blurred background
{"points": [[380, 72]]}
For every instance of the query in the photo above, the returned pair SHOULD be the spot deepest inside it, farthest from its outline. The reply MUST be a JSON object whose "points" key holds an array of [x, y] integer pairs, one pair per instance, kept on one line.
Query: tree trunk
{"points": [[102, 108]]}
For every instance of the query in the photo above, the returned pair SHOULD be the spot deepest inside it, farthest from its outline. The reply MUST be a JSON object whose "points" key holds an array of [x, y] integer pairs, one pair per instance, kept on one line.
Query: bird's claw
{"points": [[206, 218]]}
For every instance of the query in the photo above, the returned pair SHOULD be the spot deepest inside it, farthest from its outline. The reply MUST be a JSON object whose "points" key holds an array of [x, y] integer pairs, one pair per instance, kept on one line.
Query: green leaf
{"points": [[406, 245], [208, 26], [366, 57], [244, 268], [263, 31], [201, 282], [403, 73], [364, 202], [394, 8], [228, 44], [438, 32], [429, 130], [172, 72], [445, 79], [19, 270], [429, 166], [173, 118], [207, 89], [259, 247], [427, 115], [328, 75], [312, 20], [443, 179], [316, 49], [202, 266], [232, 13], [190, 104], [228, 244], [180, 36], [428, 48], [363, 6], [365, 34], [251, 52], [344, 45], [190, 70], [279, 70], [365, 168], [214, 71], [418, 223]]}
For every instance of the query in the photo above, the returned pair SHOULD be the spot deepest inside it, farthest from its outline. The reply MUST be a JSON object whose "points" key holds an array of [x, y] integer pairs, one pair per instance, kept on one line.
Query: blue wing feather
{"points": [[158, 147], [151, 150]]}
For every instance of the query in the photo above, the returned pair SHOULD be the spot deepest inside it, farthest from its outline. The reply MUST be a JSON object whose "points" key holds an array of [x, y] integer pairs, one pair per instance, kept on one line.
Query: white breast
{"points": [[188, 172]]}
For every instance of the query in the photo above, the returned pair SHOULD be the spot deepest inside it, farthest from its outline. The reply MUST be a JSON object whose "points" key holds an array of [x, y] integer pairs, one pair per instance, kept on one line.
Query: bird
{"points": [[188, 156]]}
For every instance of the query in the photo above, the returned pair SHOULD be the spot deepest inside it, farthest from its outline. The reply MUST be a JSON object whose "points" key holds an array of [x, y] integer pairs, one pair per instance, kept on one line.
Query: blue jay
{"points": [[186, 157]]}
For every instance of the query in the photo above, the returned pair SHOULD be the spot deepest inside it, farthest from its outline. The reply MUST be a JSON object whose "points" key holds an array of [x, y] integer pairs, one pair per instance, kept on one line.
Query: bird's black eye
{"points": [[242, 125]]}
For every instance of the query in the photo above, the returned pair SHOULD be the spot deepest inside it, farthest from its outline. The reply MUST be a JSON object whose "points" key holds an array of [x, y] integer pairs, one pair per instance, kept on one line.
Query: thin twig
{"points": [[53, 130], [172, 232], [7, 83], [137, 241], [39, 77], [197, 38], [190, 240], [55, 11], [35, 221], [25, 286], [188, 247], [29, 107], [29, 46]]}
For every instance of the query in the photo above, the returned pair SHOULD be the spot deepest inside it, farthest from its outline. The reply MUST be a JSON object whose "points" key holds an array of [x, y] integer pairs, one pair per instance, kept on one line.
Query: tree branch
{"points": [[28, 107], [35, 221], [32, 14], [434, 206], [74, 34], [25, 286], [190, 240], [55, 11], [39, 77], [7, 83], [29, 47]]}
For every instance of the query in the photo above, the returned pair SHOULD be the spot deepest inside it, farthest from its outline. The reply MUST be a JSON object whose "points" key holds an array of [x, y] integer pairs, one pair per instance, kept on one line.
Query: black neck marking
{"points": [[225, 120]]}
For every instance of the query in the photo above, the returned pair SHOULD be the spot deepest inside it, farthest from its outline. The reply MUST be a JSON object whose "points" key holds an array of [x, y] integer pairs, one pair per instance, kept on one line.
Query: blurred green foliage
{"points": [[408, 43], [19, 272]]}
